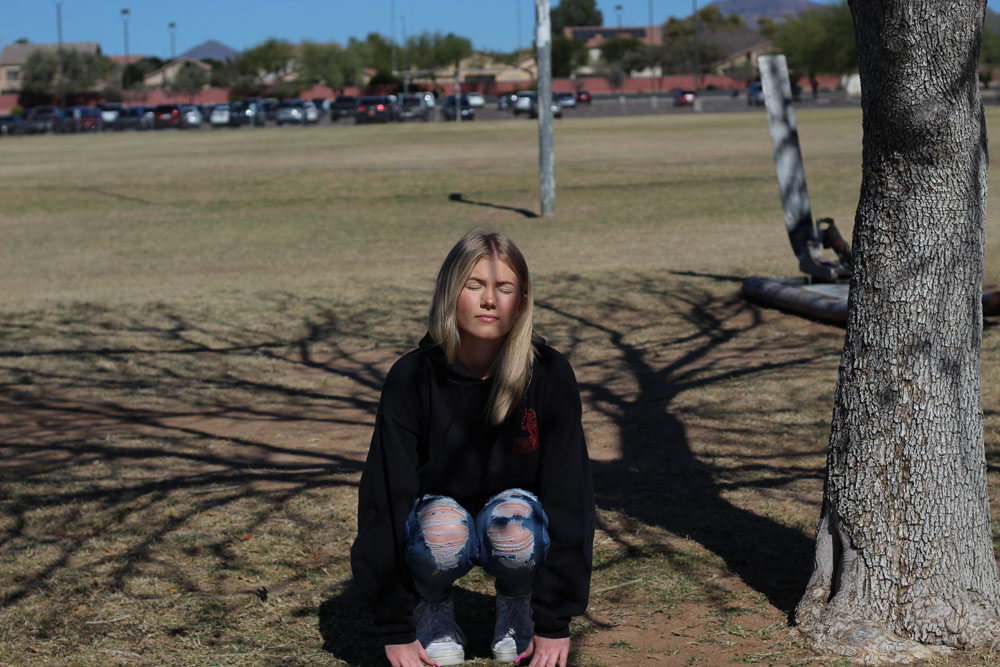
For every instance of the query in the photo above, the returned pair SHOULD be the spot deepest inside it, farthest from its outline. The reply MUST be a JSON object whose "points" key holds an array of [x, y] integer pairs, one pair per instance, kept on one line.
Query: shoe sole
{"points": [[505, 656], [449, 658]]}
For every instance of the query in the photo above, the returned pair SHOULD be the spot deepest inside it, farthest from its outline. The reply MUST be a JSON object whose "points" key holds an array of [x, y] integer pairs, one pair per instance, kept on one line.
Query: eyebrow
{"points": [[484, 280]]}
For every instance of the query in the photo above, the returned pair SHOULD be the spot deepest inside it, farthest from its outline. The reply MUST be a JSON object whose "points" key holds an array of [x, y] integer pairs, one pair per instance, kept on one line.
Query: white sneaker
{"points": [[438, 632], [514, 628]]}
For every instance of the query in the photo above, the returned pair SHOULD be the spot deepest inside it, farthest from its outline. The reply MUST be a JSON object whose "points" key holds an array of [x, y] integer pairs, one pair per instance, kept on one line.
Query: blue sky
{"points": [[490, 24]]}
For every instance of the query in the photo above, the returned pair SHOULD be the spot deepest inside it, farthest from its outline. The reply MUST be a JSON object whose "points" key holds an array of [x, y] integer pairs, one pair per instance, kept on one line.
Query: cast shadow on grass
{"points": [[659, 479], [115, 415], [128, 425], [348, 634], [459, 197]]}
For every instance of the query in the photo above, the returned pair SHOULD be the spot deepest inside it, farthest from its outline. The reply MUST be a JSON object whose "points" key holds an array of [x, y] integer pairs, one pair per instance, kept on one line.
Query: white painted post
{"points": [[546, 158]]}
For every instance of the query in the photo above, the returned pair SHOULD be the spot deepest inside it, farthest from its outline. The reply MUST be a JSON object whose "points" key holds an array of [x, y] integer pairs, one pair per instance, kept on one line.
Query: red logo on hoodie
{"points": [[529, 424]]}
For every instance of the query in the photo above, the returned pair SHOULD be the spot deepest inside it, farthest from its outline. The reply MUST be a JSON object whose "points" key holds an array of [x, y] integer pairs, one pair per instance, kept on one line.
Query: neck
{"points": [[477, 356]]}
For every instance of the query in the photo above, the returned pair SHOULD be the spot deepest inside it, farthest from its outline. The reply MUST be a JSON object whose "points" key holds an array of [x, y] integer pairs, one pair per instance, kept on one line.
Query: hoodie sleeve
{"points": [[389, 485], [566, 490]]}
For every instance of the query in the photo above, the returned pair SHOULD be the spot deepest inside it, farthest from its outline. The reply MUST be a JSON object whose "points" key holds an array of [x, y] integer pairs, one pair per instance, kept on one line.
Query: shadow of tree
{"points": [[163, 415], [659, 478]]}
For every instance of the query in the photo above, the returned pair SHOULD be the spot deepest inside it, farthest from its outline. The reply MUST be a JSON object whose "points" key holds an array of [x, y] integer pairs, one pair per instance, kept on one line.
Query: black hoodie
{"points": [[432, 436]]}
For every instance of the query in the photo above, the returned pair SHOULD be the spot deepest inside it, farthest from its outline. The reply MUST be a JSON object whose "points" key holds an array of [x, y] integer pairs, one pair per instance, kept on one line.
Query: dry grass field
{"points": [[194, 328]]}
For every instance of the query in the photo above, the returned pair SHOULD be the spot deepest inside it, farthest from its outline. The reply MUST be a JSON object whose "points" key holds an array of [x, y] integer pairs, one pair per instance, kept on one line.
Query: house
{"points": [[479, 71], [14, 56], [161, 77], [594, 36]]}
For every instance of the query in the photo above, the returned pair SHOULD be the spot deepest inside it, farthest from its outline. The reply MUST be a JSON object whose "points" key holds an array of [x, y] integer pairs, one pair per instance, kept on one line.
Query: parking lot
{"points": [[633, 104]]}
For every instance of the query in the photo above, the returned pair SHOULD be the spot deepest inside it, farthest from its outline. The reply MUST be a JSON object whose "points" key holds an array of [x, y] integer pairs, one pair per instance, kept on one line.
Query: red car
{"points": [[167, 115], [583, 96], [684, 98]]}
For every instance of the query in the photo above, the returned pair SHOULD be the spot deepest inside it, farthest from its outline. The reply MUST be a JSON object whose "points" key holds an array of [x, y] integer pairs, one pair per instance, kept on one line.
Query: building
{"points": [[161, 77], [14, 56]]}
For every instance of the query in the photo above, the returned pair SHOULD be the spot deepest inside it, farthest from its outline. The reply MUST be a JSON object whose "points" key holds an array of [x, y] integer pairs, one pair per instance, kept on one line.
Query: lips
{"points": [[486, 318]]}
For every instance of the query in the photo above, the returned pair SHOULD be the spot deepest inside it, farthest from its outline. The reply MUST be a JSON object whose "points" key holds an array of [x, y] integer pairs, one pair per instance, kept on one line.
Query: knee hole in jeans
{"points": [[446, 532], [511, 541]]}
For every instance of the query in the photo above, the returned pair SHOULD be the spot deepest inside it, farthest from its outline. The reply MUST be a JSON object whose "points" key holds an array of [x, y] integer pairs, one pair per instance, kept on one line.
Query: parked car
{"points": [[377, 109], [11, 125], [522, 101], [296, 111], [450, 110], [253, 109], [322, 105], [533, 109], [344, 106], [190, 116], [226, 115], [583, 96], [413, 106], [44, 118], [81, 119], [132, 118], [476, 100], [166, 115], [110, 111], [684, 98], [755, 94], [267, 108], [505, 101], [565, 99]]}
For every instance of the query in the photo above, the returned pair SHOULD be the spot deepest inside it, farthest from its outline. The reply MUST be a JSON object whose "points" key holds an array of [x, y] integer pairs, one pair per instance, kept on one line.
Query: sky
{"points": [[500, 25]]}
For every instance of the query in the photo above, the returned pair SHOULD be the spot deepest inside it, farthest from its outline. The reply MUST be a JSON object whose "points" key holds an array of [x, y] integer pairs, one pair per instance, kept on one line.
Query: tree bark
{"points": [[904, 555]]}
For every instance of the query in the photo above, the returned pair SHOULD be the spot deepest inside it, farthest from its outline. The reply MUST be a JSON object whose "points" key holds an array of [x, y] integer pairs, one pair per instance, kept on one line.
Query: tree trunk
{"points": [[904, 554]]}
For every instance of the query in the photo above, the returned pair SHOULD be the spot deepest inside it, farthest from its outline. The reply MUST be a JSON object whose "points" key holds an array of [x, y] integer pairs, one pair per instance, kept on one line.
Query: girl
{"points": [[478, 458]]}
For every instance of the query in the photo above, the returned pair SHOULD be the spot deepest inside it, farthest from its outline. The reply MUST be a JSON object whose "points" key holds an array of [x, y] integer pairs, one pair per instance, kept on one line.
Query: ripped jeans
{"points": [[509, 538]]}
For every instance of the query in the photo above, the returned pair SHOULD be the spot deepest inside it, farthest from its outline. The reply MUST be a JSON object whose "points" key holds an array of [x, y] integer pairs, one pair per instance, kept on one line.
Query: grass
{"points": [[194, 328]]}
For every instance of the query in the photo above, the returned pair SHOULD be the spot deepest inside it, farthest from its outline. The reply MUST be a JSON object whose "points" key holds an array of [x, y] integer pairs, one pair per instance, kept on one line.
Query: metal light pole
{"points": [[392, 35], [650, 48], [59, 55], [546, 157], [406, 77], [618, 8], [697, 48], [517, 4], [125, 14], [173, 29]]}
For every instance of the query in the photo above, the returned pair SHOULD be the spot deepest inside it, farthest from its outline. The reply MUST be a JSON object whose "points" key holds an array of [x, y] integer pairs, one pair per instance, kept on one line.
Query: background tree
{"points": [[326, 64], [614, 49], [82, 72], [904, 551], [690, 46], [572, 13], [270, 60], [819, 41], [567, 55], [190, 79], [989, 53]]}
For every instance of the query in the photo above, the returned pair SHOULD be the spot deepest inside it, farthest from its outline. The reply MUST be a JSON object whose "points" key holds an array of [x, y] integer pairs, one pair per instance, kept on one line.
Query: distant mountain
{"points": [[211, 49], [752, 10]]}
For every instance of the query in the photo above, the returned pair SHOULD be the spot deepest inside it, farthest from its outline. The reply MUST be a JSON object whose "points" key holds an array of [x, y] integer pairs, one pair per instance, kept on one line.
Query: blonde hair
{"points": [[512, 368]]}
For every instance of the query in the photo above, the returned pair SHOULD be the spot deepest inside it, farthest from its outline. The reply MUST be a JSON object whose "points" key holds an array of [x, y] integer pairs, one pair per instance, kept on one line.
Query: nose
{"points": [[489, 300]]}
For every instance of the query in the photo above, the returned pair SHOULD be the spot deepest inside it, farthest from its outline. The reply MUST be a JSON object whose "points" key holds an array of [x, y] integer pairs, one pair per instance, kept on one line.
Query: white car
{"points": [[297, 111], [476, 100], [565, 99], [220, 115], [190, 116], [522, 101]]}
